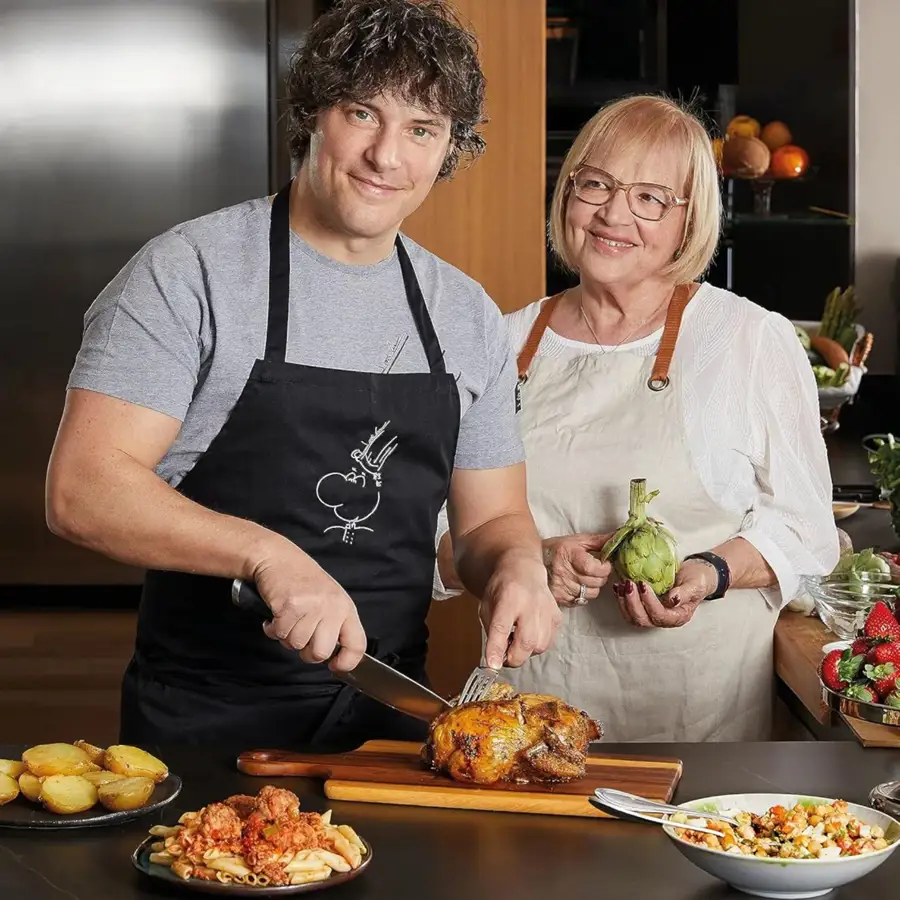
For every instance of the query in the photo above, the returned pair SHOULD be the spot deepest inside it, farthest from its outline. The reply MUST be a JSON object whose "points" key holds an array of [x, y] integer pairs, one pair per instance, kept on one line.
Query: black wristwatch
{"points": [[722, 571]]}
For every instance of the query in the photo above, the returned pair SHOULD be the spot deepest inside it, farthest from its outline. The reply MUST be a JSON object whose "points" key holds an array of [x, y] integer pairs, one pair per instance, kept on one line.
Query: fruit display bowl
{"points": [[832, 399]]}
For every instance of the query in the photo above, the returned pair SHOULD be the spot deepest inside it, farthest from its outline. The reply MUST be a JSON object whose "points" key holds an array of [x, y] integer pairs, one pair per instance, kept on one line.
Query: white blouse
{"points": [[751, 413]]}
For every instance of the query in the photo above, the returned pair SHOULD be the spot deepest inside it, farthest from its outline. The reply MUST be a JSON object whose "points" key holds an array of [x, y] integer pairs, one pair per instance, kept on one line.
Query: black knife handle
{"points": [[245, 596]]}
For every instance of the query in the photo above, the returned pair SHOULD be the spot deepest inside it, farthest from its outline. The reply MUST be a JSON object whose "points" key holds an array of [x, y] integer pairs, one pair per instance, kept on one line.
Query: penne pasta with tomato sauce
{"points": [[258, 841]]}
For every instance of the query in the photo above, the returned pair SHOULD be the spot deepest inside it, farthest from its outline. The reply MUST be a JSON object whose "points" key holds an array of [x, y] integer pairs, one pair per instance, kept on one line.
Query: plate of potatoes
{"points": [[80, 785]]}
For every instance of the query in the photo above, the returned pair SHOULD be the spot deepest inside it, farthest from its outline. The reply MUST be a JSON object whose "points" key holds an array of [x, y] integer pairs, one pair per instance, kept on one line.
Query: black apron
{"points": [[352, 467]]}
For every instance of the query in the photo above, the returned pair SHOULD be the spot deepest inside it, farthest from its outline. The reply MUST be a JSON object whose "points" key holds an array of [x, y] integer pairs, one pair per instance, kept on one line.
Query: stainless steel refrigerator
{"points": [[118, 119]]}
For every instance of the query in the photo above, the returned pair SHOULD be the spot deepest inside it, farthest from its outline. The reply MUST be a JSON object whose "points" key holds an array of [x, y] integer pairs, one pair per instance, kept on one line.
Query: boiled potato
{"points": [[67, 794], [127, 793], [104, 777], [9, 788], [132, 761], [30, 786], [95, 753], [11, 767], [57, 759]]}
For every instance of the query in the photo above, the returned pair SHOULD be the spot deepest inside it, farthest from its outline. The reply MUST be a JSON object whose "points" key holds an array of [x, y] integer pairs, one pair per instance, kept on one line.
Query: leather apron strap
{"points": [[526, 355], [659, 377]]}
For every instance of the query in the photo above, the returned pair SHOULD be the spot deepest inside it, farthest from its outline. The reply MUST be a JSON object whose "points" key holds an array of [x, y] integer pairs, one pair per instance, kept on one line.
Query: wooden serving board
{"points": [[392, 772]]}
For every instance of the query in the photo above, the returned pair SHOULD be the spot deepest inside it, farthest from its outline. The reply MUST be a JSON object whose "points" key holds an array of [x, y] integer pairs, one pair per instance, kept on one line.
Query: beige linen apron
{"points": [[590, 425]]}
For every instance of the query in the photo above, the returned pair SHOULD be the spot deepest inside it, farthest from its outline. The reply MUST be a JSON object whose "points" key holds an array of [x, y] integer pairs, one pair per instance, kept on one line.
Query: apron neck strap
{"points": [[280, 289], [279, 275], [427, 335], [526, 355], [659, 378]]}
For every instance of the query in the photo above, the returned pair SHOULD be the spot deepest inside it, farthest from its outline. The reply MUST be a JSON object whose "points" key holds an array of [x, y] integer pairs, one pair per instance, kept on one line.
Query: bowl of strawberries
{"points": [[862, 678]]}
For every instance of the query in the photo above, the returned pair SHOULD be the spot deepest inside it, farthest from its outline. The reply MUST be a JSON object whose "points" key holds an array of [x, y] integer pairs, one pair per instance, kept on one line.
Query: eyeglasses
{"points": [[652, 202]]}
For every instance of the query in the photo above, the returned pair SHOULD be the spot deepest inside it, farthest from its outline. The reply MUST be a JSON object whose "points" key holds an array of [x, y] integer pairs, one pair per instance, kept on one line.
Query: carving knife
{"points": [[371, 677]]}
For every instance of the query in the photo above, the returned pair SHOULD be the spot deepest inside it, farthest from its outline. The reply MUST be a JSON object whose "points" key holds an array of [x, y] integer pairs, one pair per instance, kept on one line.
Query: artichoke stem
{"points": [[637, 500]]}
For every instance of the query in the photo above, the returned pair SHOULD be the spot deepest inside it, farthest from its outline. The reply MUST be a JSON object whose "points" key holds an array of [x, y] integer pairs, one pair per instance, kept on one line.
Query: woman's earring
{"points": [[677, 254]]}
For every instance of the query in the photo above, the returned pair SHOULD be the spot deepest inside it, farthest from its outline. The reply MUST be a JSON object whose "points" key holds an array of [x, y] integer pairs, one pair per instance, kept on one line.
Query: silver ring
{"points": [[582, 595]]}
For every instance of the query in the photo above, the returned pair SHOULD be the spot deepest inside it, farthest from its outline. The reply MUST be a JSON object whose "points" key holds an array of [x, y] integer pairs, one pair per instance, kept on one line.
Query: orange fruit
{"points": [[717, 150], [776, 134], [743, 126], [745, 157], [789, 161]]}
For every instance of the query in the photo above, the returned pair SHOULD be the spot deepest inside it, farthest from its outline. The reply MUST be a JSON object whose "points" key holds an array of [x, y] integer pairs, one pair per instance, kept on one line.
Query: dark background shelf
{"points": [[764, 58]]}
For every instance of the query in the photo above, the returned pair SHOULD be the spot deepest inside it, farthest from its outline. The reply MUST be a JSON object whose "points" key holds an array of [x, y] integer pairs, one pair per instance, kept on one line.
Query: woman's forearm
{"points": [[747, 566]]}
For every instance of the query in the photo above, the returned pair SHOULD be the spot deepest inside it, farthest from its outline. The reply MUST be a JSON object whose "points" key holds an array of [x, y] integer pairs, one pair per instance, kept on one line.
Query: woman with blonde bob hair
{"points": [[641, 371]]}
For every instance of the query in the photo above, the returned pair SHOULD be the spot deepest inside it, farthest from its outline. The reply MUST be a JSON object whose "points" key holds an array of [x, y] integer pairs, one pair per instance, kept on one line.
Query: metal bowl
{"points": [[858, 709], [843, 602]]}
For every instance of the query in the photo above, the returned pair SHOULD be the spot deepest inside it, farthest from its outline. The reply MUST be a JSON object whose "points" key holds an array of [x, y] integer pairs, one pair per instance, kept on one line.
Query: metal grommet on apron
{"points": [[353, 467], [659, 378]]}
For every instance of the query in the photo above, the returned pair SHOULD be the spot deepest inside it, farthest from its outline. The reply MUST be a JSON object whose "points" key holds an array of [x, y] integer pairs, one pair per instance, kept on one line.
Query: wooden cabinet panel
{"points": [[489, 221], [60, 674]]}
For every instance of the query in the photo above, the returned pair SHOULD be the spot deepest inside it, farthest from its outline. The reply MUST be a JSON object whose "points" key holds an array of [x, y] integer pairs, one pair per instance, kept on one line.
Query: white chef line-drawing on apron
{"points": [[354, 496]]}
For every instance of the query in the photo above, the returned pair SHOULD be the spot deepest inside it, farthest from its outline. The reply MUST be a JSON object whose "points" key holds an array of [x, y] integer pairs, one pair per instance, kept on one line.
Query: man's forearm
{"points": [[510, 538], [125, 511]]}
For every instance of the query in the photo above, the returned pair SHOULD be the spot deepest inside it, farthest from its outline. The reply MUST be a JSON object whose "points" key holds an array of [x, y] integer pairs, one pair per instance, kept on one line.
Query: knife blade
{"points": [[371, 677]]}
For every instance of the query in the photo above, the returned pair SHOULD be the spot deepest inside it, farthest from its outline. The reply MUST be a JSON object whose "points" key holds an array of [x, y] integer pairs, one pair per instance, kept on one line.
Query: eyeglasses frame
{"points": [[621, 186]]}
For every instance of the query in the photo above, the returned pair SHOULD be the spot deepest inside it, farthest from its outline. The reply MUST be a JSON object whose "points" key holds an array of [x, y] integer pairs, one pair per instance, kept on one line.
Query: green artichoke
{"points": [[642, 549]]}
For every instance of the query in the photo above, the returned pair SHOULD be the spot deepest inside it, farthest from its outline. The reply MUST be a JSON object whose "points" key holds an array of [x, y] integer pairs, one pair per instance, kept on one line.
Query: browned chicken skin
{"points": [[511, 737]]}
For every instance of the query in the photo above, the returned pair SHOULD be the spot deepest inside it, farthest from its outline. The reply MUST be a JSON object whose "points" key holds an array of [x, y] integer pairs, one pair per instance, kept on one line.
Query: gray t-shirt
{"points": [[179, 328]]}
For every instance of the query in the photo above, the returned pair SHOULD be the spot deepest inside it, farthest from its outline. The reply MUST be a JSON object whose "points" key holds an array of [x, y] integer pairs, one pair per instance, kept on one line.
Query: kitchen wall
{"points": [[877, 178]]}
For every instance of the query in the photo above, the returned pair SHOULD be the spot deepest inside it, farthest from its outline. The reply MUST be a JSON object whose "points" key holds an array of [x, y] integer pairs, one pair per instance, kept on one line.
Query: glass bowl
{"points": [[844, 601]]}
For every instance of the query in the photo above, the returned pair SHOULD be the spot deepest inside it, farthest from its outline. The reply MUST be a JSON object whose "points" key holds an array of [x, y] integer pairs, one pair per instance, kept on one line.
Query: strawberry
{"points": [[883, 677], [884, 653], [881, 623], [892, 699], [861, 645], [861, 692], [839, 668]]}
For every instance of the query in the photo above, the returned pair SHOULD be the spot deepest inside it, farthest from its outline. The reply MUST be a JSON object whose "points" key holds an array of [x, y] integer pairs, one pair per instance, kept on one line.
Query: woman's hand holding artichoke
{"points": [[570, 565], [639, 605]]}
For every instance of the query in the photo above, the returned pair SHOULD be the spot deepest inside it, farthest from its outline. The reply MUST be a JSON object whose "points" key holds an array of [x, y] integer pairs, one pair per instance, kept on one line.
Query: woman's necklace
{"points": [[630, 333]]}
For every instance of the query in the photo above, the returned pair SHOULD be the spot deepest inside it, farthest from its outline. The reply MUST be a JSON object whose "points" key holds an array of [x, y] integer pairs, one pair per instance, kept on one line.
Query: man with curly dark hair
{"points": [[286, 392]]}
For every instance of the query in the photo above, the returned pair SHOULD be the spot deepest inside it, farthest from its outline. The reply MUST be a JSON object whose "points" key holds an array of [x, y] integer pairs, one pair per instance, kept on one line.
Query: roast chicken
{"points": [[511, 737]]}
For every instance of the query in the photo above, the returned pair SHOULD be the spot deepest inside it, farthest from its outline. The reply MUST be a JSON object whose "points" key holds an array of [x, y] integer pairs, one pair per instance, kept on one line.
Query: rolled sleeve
{"points": [[792, 523], [439, 592]]}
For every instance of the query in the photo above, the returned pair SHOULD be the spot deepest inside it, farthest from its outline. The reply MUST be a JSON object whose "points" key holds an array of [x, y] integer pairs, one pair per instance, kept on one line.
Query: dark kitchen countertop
{"points": [[450, 855]]}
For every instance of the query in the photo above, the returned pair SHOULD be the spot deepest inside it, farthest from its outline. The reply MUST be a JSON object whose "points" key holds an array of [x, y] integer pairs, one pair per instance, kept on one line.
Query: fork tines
{"points": [[477, 685]]}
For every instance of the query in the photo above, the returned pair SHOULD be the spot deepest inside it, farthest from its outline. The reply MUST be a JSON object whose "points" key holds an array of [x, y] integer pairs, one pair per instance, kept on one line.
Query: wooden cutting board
{"points": [[391, 772], [869, 734]]}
